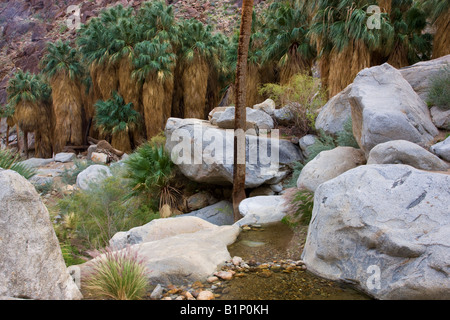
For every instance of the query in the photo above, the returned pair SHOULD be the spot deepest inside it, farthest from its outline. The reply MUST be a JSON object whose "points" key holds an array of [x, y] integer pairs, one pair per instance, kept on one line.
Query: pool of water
{"points": [[272, 243]]}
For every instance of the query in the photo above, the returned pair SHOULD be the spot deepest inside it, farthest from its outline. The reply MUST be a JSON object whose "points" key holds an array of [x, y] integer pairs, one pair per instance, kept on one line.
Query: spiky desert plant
{"points": [[154, 62], [439, 11], [62, 67], [8, 161], [118, 119], [287, 41], [150, 171], [118, 275], [197, 55], [30, 97]]}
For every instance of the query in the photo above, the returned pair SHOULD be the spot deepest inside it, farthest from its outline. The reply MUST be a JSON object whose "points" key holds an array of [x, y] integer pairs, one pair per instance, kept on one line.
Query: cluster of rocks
{"points": [[215, 285], [381, 213], [211, 161]]}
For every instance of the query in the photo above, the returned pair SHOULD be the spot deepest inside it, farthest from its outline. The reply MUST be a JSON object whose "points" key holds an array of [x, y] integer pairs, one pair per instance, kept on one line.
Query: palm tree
{"points": [[104, 36], [118, 119], [7, 111], [154, 63], [62, 67], [254, 63], [343, 40], [287, 41], [240, 113], [29, 103], [198, 55], [439, 12], [409, 44]]}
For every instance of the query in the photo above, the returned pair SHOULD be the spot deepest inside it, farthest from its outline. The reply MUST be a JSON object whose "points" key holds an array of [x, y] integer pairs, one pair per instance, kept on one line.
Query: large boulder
{"points": [[204, 153], [256, 119], [220, 213], [385, 107], [328, 165], [384, 229], [36, 162], [261, 210], [159, 229], [441, 118], [405, 152], [268, 106], [420, 74], [187, 257], [284, 116], [442, 149], [31, 262], [333, 115], [91, 175]]}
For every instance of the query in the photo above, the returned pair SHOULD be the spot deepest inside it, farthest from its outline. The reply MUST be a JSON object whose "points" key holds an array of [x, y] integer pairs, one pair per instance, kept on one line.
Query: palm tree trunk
{"points": [[240, 112], [441, 43], [195, 85]]}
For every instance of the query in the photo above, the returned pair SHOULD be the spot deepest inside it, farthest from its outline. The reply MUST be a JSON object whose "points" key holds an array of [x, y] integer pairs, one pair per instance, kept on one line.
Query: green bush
{"points": [[118, 275], [299, 208], [103, 210], [345, 138], [302, 94], [439, 94], [151, 172], [69, 176]]}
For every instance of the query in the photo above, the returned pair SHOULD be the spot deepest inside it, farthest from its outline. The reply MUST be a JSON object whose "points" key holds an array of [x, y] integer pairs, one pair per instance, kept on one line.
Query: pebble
{"points": [[236, 260], [212, 279], [205, 295], [224, 275]]}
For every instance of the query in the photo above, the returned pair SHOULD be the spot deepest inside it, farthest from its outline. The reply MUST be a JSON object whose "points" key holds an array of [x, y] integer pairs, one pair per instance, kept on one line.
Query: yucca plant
{"points": [[29, 104], [118, 119], [62, 67], [8, 161], [150, 171], [118, 275]]}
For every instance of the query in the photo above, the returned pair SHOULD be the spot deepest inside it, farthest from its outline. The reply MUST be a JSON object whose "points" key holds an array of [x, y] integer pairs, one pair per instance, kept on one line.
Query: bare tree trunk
{"points": [[25, 144], [240, 112], [7, 135]]}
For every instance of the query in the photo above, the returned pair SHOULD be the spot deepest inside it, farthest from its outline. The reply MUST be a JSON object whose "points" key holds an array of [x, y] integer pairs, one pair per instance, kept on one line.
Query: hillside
{"points": [[26, 26]]}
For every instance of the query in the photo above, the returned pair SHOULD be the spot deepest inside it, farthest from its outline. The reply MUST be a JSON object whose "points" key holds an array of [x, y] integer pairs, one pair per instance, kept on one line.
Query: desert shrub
{"points": [[45, 188], [104, 209], [303, 95], [118, 275], [439, 94], [299, 206], [69, 176], [159, 139], [151, 172], [345, 138], [8, 161], [325, 142]]}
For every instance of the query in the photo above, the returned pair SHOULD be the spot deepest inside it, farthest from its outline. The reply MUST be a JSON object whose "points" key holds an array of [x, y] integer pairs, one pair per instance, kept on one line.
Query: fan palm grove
{"points": [[164, 66]]}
